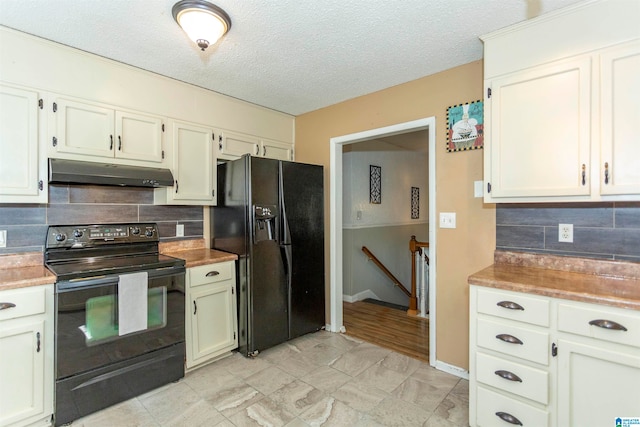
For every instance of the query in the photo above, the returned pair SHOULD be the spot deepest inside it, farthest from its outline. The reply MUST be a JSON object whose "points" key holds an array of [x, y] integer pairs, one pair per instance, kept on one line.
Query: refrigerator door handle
{"points": [[286, 255]]}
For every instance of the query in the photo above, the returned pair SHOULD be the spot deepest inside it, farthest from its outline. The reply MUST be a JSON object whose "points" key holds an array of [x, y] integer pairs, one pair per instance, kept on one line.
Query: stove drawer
{"points": [[22, 302], [211, 273]]}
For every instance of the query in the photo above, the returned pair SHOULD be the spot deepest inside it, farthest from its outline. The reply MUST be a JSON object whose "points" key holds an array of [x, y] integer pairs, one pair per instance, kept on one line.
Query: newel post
{"points": [[413, 299]]}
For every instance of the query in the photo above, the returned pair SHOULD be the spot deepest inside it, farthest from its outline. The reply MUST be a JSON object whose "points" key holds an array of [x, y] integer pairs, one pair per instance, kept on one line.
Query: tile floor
{"points": [[320, 379]]}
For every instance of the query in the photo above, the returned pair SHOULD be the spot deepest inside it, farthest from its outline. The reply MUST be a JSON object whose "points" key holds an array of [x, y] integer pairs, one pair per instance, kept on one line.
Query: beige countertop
{"points": [[194, 253], [27, 269], [23, 270], [614, 283]]}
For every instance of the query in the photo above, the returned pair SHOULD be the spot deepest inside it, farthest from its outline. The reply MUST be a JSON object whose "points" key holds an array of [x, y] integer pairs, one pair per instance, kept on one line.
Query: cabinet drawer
{"points": [[525, 381], [531, 345], [515, 306], [490, 404], [27, 301], [211, 273], [575, 318]]}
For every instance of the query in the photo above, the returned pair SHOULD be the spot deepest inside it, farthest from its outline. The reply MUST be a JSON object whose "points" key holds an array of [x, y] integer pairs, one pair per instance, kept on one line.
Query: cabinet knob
{"points": [[606, 173], [510, 305], [607, 324], [212, 273], [584, 174]]}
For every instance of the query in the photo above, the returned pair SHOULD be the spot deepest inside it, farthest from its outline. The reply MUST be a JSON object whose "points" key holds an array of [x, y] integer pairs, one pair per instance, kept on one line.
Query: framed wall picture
{"points": [[465, 127], [415, 202], [375, 184]]}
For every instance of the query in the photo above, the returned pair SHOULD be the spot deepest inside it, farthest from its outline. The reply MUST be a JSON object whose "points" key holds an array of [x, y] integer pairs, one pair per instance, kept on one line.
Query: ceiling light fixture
{"points": [[203, 22]]}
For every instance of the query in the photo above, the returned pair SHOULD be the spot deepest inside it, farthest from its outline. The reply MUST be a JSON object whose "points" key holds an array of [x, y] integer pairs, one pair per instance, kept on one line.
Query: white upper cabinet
{"points": [[620, 101], [232, 145], [22, 171], [539, 128], [95, 130], [192, 156], [277, 150], [561, 107]]}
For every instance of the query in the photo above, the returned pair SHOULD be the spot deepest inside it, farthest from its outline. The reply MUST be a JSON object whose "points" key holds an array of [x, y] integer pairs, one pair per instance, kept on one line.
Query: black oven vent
{"points": [[77, 172]]}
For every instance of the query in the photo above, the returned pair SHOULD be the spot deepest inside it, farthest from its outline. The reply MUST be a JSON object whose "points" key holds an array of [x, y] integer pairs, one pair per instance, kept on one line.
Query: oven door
{"points": [[96, 367], [87, 333]]}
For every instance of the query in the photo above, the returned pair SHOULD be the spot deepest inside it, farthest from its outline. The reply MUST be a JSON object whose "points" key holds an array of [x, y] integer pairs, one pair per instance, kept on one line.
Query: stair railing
{"points": [[386, 271], [416, 247]]}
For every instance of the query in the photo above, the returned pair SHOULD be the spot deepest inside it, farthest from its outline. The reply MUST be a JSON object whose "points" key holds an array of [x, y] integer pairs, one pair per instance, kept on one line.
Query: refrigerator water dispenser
{"points": [[264, 222]]}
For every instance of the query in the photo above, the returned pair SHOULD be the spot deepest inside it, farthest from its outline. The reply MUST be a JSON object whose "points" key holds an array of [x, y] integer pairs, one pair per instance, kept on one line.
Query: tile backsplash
{"points": [[26, 224], [600, 230]]}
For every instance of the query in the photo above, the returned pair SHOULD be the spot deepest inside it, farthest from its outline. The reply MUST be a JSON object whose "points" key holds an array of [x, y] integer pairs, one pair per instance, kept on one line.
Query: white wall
{"points": [[401, 170], [384, 228]]}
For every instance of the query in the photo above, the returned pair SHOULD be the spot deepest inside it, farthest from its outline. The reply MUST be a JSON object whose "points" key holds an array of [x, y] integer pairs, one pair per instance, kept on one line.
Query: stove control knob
{"points": [[60, 237], [77, 233], [135, 231], [149, 233]]}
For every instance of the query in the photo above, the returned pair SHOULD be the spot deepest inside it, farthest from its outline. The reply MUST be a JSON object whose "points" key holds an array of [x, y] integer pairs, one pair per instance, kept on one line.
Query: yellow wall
{"points": [[461, 251]]}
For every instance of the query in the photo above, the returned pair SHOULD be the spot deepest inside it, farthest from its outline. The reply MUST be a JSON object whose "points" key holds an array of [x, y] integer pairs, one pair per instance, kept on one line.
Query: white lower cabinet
{"points": [[598, 364], [26, 356], [540, 361], [211, 322]]}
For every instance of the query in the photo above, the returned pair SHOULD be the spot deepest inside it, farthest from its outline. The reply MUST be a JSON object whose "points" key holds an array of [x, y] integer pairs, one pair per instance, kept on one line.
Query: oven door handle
{"points": [[90, 282]]}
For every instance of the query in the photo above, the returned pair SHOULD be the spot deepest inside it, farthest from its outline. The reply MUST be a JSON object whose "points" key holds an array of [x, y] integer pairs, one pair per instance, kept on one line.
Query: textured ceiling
{"points": [[293, 56]]}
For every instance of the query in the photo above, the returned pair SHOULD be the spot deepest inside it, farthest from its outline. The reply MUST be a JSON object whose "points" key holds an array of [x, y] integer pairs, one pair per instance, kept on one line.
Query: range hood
{"points": [[77, 172]]}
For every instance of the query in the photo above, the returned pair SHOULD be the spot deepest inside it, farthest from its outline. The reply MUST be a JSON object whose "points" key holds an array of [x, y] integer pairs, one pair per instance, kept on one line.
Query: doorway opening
{"points": [[336, 217]]}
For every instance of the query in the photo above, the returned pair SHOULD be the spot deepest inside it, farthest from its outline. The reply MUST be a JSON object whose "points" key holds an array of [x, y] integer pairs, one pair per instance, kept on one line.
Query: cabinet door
{"points": [[538, 138], [19, 163], [236, 144], [213, 326], [84, 128], [139, 137], [277, 150], [620, 93], [597, 382], [194, 163], [21, 371]]}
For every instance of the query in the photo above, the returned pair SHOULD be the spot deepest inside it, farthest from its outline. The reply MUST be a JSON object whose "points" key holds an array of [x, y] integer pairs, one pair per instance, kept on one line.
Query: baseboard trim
{"points": [[360, 296], [451, 369]]}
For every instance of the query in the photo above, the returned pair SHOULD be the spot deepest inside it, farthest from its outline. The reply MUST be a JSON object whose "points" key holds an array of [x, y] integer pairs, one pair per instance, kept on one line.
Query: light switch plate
{"points": [[3, 238], [478, 188], [179, 230], [447, 220]]}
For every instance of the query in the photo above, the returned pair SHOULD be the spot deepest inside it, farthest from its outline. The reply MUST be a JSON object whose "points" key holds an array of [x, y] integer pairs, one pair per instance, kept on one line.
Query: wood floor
{"points": [[388, 327]]}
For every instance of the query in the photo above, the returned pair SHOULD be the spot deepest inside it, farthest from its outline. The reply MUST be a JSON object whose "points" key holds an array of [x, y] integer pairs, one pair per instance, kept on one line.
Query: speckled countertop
{"points": [[614, 283], [27, 269], [194, 252], [23, 270]]}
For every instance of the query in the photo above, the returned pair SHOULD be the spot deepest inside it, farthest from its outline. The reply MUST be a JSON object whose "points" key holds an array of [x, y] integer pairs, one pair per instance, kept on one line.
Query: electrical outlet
{"points": [[565, 233], [3, 238], [179, 230], [447, 220]]}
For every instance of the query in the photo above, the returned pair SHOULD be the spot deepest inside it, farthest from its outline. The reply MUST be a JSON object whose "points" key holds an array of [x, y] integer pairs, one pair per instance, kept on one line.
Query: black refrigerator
{"points": [[271, 214]]}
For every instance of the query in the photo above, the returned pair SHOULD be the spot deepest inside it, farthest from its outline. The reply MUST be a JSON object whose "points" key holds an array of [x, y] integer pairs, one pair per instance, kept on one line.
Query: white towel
{"points": [[132, 302]]}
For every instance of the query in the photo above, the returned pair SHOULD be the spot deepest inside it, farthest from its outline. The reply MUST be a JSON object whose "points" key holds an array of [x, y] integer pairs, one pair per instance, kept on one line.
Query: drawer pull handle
{"points": [[508, 376], [508, 418], [510, 305], [509, 338], [212, 273], [608, 324], [5, 305], [38, 343], [195, 307]]}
